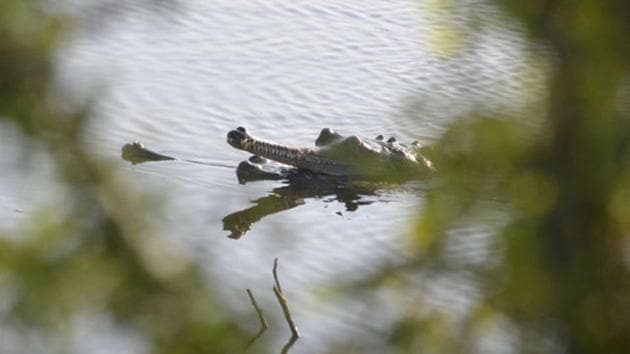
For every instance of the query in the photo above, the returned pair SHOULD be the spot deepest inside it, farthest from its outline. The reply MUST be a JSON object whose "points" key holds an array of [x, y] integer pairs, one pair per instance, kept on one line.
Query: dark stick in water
{"points": [[136, 153], [263, 322], [285, 308]]}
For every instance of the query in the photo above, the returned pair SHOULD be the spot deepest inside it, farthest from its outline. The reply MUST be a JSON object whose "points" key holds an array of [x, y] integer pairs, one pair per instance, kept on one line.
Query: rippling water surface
{"points": [[178, 77]]}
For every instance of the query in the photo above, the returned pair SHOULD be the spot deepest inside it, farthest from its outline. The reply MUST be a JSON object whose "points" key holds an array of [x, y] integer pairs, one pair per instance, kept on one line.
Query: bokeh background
{"points": [[518, 244]]}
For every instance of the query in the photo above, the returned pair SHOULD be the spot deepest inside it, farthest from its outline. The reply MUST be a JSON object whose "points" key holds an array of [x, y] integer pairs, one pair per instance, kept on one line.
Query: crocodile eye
{"points": [[391, 140], [379, 137], [241, 129]]}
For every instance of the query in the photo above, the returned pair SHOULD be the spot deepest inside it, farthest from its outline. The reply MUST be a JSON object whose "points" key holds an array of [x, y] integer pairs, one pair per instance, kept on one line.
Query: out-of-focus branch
{"points": [[277, 289], [261, 317]]}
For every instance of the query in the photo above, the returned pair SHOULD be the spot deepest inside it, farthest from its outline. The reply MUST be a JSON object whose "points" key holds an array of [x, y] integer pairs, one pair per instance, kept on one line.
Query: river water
{"points": [[177, 76]]}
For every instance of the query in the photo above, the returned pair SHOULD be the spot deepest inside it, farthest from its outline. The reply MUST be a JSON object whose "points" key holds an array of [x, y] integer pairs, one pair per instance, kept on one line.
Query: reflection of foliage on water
{"points": [[562, 281], [98, 255]]}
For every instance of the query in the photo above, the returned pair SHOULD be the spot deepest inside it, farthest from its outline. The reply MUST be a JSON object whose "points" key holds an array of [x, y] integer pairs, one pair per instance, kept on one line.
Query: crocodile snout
{"points": [[237, 136]]}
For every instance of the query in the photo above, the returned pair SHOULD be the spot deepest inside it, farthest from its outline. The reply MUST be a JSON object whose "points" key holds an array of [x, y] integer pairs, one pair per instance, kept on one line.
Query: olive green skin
{"points": [[336, 155]]}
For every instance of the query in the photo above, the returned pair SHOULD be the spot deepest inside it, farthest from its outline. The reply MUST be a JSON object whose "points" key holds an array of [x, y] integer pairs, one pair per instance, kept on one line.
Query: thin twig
{"points": [[263, 322], [289, 344], [275, 274], [285, 308]]}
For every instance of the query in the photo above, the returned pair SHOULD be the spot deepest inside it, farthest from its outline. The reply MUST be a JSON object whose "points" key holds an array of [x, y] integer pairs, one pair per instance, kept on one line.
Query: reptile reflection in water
{"points": [[299, 186], [323, 170]]}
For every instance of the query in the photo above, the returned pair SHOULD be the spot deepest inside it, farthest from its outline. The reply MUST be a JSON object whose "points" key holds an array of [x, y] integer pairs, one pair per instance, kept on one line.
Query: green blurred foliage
{"points": [[563, 277], [99, 252]]}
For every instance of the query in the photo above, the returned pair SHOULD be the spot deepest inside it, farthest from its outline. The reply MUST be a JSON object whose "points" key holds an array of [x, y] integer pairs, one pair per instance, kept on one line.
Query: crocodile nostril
{"points": [[241, 129], [233, 134]]}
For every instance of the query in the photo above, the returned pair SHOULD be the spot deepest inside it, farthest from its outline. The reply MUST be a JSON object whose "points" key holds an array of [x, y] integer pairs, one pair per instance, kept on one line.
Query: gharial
{"points": [[334, 155]]}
